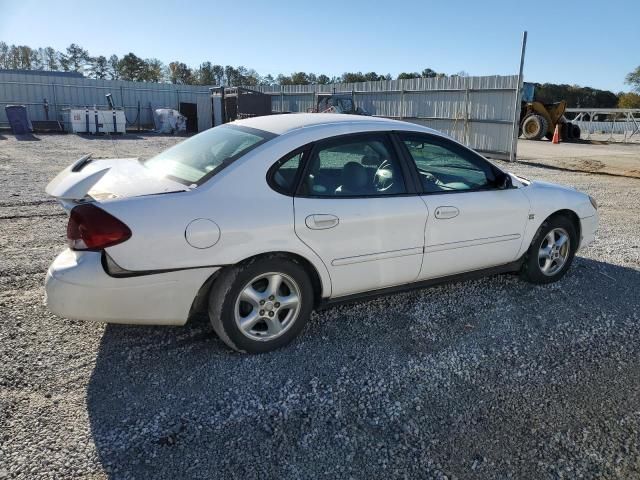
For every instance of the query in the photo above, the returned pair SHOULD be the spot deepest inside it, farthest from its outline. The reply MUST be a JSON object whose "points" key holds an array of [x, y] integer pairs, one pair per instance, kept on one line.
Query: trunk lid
{"points": [[88, 179]]}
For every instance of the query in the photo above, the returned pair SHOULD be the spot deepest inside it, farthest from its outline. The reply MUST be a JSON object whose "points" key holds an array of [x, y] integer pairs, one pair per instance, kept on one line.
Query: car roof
{"points": [[283, 123]]}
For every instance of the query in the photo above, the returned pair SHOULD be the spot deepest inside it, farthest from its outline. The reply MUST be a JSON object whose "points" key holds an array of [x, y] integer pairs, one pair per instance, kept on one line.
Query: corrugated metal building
{"points": [[64, 90]]}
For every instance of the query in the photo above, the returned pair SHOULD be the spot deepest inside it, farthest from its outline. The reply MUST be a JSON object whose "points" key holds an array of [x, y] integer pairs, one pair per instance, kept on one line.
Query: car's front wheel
{"points": [[261, 305], [551, 251]]}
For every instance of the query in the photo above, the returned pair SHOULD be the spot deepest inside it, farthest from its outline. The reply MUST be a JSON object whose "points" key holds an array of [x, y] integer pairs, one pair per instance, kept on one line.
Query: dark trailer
{"points": [[235, 103]]}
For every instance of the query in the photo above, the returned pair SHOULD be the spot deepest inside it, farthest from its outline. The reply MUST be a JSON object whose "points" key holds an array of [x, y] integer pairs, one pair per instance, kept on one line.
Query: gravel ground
{"points": [[493, 378]]}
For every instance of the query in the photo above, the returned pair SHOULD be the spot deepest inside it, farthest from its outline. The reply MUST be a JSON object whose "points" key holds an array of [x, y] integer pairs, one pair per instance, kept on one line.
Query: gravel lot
{"points": [[484, 379]]}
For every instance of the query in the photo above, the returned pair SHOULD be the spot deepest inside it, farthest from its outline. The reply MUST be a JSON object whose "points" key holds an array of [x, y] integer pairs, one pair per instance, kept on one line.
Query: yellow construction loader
{"points": [[539, 120]]}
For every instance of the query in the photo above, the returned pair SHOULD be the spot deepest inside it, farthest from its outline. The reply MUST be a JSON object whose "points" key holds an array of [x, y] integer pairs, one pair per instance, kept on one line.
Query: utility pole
{"points": [[517, 102]]}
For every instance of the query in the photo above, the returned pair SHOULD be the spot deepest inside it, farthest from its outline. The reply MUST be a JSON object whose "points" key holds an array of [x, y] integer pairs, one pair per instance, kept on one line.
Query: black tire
{"points": [[227, 288], [534, 127], [531, 269], [575, 131]]}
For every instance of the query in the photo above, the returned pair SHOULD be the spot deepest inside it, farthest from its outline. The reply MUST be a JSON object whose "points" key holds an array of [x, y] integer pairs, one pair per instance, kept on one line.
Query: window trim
{"points": [[386, 138], [304, 150], [457, 148]]}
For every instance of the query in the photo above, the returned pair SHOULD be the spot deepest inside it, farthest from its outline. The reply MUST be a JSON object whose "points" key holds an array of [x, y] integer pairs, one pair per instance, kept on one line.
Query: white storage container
{"points": [[76, 121]]}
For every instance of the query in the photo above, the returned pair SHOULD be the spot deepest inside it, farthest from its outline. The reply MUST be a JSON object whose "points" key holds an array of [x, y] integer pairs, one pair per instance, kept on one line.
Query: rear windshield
{"points": [[200, 157]]}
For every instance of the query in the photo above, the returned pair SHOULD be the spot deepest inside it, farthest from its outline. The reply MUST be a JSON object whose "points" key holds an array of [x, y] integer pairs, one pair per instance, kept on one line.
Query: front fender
{"points": [[546, 199]]}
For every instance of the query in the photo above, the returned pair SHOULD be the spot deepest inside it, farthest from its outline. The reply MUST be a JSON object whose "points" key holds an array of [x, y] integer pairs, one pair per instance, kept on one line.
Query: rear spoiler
{"points": [[74, 182]]}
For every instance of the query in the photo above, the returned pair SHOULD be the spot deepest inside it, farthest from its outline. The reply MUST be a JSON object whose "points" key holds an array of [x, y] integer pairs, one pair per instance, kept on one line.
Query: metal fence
{"points": [[478, 111], [63, 91], [621, 124]]}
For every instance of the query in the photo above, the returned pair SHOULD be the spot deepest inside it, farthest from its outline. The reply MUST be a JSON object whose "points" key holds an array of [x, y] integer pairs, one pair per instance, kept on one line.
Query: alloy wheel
{"points": [[267, 306], [554, 251]]}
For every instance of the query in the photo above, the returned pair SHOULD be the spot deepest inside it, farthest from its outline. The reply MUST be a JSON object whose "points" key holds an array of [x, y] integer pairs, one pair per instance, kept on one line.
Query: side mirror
{"points": [[503, 181]]}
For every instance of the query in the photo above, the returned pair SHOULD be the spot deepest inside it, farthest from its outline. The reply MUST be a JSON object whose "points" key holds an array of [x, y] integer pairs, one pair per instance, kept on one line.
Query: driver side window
{"points": [[354, 166], [446, 168]]}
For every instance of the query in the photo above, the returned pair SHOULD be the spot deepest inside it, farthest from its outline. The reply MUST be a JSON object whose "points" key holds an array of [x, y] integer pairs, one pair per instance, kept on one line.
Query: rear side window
{"points": [[196, 159], [354, 166], [284, 174]]}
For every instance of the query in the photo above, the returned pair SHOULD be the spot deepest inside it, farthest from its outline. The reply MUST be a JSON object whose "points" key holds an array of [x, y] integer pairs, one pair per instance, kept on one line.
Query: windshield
{"points": [[201, 156]]}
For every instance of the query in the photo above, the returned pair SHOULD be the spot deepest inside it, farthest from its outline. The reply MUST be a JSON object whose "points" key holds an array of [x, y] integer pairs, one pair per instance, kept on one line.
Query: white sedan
{"points": [[263, 220]]}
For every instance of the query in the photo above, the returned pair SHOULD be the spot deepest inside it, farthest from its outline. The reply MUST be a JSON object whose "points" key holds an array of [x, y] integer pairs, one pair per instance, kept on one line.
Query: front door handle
{"points": [[321, 221], [446, 212]]}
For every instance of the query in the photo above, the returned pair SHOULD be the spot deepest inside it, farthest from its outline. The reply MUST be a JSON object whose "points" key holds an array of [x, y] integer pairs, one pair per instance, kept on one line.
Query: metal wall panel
{"points": [[62, 92], [478, 111]]}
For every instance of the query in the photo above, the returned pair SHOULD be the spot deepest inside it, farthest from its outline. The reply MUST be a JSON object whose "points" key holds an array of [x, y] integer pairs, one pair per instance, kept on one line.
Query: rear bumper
{"points": [[78, 287], [588, 227]]}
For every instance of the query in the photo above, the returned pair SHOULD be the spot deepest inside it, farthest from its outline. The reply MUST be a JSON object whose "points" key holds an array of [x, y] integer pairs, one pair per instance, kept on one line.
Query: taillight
{"points": [[91, 228]]}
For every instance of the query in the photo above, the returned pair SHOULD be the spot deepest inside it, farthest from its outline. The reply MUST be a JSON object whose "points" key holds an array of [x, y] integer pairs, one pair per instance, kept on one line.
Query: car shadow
{"points": [[27, 137], [116, 137], [176, 402], [132, 135]]}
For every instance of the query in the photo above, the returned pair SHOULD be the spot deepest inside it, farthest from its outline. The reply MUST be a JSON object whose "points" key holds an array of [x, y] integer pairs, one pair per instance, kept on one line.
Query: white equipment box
{"points": [[81, 120]]}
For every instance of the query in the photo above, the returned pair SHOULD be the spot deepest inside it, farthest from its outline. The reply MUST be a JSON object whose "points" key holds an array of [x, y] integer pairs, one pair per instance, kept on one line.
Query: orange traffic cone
{"points": [[556, 134]]}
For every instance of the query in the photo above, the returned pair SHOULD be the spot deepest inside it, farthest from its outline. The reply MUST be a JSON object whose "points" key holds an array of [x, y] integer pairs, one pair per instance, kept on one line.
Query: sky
{"points": [[588, 43]]}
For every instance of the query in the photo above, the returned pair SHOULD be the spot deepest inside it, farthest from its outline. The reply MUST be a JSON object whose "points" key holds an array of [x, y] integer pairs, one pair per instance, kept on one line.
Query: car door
{"points": [[356, 208], [474, 222]]}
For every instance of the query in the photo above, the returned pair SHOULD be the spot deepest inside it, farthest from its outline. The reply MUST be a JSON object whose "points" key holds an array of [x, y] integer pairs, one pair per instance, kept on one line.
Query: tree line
{"points": [[134, 68], [131, 67]]}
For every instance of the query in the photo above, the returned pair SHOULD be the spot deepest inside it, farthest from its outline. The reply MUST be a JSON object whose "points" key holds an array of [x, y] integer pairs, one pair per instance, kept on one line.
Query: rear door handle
{"points": [[446, 212], [321, 221]]}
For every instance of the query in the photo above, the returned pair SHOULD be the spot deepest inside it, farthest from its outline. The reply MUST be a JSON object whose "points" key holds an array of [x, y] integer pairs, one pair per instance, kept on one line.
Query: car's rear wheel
{"points": [[261, 305], [551, 251]]}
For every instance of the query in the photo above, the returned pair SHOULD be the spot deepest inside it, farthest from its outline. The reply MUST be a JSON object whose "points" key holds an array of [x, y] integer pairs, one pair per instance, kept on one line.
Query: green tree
{"points": [[26, 57], [633, 79], [351, 77], [131, 67], [267, 80], [98, 67], [408, 75], [63, 61], [248, 77], [575, 95], [323, 79], [14, 57], [114, 67], [230, 76], [284, 79], [38, 62], [50, 59], [180, 73], [76, 57], [218, 74], [4, 55], [152, 70], [300, 78], [205, 74], [428, 73], [373, 77], [628, 100]]}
